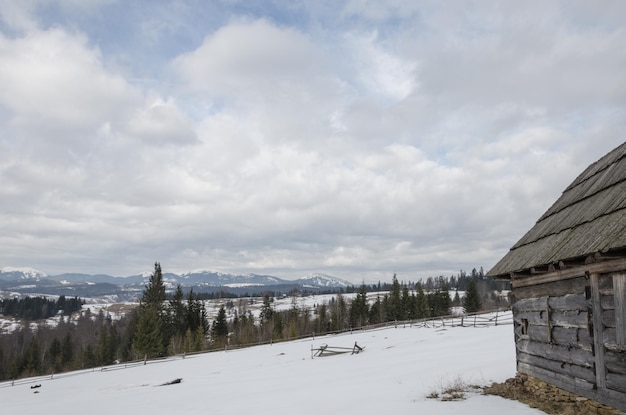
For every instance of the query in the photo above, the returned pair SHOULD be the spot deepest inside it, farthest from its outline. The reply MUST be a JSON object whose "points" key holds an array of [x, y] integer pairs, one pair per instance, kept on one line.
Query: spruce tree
{"points": [[220, 324], [152, 326], [359, 309], [472, 302], [148, 341]]}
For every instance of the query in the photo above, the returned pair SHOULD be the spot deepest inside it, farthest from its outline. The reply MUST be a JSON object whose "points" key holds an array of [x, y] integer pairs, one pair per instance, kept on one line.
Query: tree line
{"points": [[166, 325], [37, 308]]}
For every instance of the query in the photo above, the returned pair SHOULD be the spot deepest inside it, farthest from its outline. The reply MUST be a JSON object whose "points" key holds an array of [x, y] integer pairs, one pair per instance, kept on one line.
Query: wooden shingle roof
{"points": [[589, 218]]}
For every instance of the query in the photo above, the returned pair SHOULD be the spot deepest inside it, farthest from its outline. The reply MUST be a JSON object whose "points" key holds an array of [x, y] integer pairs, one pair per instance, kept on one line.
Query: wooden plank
{"points": [[557, 353], [619, 298], [608, 318], [548, 322], [612, 398], [578, 386], [609, 336], [598, 329], [569, 302], [539, 334], [574, 318], [529, 304], [616, 382], [607, 302], [553, 289], [569, 273], [568, 336], [572, 384], [534, 318], [586, 373], [616, 362]]}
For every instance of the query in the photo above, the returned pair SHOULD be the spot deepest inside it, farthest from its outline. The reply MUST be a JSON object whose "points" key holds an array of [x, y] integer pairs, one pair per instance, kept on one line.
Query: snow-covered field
{"points": [[398, 369]]}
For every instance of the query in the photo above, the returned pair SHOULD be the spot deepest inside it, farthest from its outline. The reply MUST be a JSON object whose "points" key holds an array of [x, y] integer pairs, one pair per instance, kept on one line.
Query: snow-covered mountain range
{"points": [[29, 281]]}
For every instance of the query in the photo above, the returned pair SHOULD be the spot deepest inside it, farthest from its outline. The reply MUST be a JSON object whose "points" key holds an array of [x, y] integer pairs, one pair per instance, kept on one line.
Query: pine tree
{"points": [[266, 312], [152, 335], [359, 309], [154, 292], [148, 341], [394, 304], [179, 312], [220, 324], [421, 303], [472, 302]]}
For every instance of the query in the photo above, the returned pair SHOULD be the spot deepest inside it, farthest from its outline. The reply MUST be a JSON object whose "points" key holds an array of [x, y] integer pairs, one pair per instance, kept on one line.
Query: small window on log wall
{"points": [[619, 292], [524, 327]]}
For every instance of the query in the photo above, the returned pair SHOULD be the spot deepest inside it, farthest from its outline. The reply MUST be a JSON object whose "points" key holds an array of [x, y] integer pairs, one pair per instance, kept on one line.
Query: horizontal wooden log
{"points": [[530, 304], [574, 385], [609, 339], [557, 353], [608, 302], [568, 369], [534, 318], [572, 337], [612, 398], [605, 284], [616, 382], [551, 289], [608, 318], [539, 334], [615, 362], [576, 319], [566, 382], [569, 302], [562, 303]]}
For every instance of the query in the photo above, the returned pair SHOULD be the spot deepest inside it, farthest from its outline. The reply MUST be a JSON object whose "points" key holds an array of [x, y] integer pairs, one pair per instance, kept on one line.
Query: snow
{"points": [[398, 369], [27, 271]]}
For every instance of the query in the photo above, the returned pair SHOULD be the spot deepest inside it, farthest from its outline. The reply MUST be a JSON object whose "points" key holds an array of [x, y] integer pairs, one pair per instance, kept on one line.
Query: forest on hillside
{"points": [[167, 325]]}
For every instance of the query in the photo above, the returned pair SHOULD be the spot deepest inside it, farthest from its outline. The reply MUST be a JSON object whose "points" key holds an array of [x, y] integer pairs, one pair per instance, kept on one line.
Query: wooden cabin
{"points": [[568, 282]]}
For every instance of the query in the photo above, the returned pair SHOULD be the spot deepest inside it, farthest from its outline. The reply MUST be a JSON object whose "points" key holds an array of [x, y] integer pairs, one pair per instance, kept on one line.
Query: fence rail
{"points": [[482, 319]]}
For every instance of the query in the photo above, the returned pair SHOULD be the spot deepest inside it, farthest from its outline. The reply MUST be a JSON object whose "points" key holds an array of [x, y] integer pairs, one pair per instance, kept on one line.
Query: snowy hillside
{"points": [[24, 273], [322, 280], [396, 372]]}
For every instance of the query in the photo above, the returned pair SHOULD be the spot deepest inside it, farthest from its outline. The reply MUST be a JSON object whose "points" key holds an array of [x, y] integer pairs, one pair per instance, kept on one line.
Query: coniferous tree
{"points": [[152, 327], [266, 312], [359, 309], [421, 303], [148, 341], [472, 302], [393, 305], [220, 324]]}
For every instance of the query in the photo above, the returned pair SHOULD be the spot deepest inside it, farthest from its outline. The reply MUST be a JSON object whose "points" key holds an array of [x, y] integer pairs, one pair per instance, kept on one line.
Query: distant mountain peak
{"points": [[323, 280], [23, 272]]}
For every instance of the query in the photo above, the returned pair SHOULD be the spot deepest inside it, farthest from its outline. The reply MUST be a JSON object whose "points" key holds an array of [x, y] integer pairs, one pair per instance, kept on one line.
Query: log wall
{"points": [[571, 333]]}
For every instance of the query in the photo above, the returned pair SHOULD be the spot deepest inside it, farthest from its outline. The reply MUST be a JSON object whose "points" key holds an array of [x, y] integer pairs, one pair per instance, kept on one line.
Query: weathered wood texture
{"points": [[580, 372], [555, 289], [557, 353], [567, 332], [598, 328], [619, 299], [616, 362], [575, 385]]}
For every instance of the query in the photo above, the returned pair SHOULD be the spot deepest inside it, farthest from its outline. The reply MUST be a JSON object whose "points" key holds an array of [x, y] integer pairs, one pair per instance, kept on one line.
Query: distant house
{"points": [[568, 281]]}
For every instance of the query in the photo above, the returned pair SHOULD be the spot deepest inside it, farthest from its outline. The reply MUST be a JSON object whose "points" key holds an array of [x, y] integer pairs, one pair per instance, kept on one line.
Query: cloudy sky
{"points": [[356, 138]]}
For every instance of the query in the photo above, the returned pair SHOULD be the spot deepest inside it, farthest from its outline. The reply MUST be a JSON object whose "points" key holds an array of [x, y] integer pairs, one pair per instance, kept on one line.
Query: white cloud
{"points": [[411, 138], [247, 57]]}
